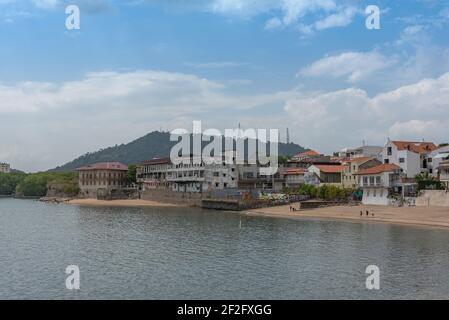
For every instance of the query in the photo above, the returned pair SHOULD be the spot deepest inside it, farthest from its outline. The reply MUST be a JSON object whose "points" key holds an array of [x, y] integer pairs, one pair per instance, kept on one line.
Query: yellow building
{"points": [[349, 177]]}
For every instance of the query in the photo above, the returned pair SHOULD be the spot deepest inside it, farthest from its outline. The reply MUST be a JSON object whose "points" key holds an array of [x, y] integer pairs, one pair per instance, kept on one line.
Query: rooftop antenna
{"points": [[288, 137], [363, 143], [238, 134]]}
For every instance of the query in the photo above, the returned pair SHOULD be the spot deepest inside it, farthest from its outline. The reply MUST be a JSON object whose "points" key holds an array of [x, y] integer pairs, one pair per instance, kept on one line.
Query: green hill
{"points": [[153, 145]]}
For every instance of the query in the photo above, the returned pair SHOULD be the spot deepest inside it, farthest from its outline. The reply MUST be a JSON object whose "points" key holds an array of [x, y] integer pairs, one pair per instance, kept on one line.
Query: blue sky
{"points": [[137, 66]]}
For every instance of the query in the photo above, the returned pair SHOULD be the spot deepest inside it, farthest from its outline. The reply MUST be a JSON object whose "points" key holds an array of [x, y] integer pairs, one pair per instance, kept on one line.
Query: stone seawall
{"points": [[168, 196], [433, 198]]}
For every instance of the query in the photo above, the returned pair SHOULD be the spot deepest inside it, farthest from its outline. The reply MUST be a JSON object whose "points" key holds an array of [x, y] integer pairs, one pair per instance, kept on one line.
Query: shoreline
{"points": [[125, 203], [425, 217]]}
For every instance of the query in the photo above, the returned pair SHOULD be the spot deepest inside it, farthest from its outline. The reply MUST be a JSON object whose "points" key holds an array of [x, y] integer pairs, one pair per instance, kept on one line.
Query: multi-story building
{"points": [[102, 179], [192, 174], [153, 174], [294, 177], [435, 158], [353, 166], [5, 167], [411, 156], [380, 184], [443, 171]]}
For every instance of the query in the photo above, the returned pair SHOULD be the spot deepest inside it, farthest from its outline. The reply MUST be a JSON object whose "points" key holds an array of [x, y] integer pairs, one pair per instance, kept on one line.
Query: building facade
{"points": [[353, 166], [328, 174], [363, 151], [411, 156], [294, 177], [5, 167], [380, 184], [443, 171], [102, 179], [435, 158], [191, 175]]}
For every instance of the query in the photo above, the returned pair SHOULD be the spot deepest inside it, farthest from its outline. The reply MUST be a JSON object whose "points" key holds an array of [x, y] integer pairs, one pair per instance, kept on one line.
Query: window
{"points": [[429, 160], [401, 160], [389, 151], [377, 180], [386, 161]]}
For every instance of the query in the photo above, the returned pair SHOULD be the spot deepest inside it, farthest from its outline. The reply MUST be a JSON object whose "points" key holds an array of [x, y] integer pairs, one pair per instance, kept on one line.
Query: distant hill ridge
{"points": [[153, 145]]}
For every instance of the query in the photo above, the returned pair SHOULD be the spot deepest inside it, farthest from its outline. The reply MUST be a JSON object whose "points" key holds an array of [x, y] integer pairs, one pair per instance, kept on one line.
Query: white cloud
{"points": [[339, 19], [290, 12], [332, 120], [355, 66], [45, 4], [54, 123]]}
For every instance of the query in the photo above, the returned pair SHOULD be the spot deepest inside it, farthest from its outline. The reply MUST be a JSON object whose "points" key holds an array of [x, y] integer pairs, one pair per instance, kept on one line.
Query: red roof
{"points": [[157, 161], [309, 153], [105, 166], [386, 167], [294, 171], [330, 168], [417, 147]]}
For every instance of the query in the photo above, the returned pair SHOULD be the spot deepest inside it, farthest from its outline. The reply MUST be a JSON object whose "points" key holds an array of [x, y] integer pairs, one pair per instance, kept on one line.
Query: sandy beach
{"points": [[120, 203], [417, 216]]}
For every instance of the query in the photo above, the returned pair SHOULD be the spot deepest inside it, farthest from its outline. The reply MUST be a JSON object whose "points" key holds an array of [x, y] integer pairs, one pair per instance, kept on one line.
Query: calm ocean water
{"points": [[175, 253]]}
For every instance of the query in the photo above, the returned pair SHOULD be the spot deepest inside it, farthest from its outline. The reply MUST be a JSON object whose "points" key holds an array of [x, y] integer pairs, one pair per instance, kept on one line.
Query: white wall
{"points": [[375, 196]]}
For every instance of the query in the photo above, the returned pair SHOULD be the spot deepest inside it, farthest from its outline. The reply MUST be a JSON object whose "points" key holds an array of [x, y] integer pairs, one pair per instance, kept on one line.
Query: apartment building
{"points": [[412, 157], [192, 174]]}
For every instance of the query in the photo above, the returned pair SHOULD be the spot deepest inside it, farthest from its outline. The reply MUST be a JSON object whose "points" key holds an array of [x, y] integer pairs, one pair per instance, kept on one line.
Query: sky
{"points": [[136, 66]]}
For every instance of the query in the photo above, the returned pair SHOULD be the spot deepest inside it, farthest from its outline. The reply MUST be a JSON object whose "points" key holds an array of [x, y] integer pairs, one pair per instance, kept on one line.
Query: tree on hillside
{"points": [[131, 174]]}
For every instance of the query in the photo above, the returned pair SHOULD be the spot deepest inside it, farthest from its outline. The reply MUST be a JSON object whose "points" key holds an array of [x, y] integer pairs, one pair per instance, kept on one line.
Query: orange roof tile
{"points": [[309, 153], [294, 171], [417, 147]]}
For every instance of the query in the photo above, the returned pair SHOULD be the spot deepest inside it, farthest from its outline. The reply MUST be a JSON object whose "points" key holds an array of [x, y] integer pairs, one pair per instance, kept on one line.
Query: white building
{"points": [[435, 158], [380, 184], [363, 151], [443, 170], [412, 157], [192, 175], [5, 167]]}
